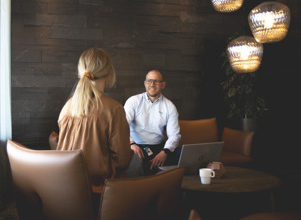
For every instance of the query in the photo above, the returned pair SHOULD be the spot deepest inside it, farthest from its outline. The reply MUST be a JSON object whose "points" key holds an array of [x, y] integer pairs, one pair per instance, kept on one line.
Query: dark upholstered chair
{"points": [[50, 184], [151, 197], [274, 216]]}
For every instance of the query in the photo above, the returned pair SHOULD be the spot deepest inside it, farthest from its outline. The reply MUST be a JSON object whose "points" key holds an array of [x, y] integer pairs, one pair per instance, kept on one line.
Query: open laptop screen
{"points": [[196, 156]]}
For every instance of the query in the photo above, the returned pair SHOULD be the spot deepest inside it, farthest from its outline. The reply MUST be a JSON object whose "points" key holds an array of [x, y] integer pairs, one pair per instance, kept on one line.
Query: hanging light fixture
{"points": [[269, 22], [244, 54], [227, 5]]}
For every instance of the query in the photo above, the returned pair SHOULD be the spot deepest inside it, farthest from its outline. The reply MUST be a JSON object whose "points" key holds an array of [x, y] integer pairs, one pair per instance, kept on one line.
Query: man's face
{"points": [[154, 85]]}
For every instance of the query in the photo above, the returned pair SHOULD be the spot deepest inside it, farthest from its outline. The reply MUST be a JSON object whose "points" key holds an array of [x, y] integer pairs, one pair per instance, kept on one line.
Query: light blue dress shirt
{"points": [[148, 120]]}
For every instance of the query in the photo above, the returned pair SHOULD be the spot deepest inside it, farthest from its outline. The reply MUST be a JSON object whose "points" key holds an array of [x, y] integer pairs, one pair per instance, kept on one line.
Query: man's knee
{"points": [[135, 168]]}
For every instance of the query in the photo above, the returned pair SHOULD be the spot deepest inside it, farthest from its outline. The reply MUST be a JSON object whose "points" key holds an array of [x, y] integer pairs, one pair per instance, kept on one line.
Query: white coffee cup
{"points": [[206, 174]]}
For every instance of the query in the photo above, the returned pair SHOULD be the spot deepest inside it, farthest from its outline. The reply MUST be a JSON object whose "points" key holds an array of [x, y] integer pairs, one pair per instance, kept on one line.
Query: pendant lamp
{"points": [[269, 22], [244, 54], [226, 5]]}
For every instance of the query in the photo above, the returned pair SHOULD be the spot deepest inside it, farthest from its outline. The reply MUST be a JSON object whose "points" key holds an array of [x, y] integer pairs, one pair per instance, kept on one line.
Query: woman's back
{"points": [[103, 135]]}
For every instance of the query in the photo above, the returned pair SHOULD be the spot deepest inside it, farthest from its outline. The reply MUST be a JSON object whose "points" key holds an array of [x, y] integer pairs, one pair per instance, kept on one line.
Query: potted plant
{"points": [[241, 97]]}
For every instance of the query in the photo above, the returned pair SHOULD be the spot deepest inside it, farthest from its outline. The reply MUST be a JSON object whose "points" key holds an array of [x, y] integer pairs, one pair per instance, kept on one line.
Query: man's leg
{"points": [[174, 157], [135, 168]]}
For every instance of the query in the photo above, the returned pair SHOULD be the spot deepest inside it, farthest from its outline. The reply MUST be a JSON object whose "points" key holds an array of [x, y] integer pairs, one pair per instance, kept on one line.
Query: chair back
{"points": [[198, 131], [151, 197], [50, 184], [194, 215], [238, 141]]}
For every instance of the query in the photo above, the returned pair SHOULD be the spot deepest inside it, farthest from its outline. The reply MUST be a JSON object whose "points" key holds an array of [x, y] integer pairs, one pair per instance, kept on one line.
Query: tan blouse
{"points": [[102, 135]]}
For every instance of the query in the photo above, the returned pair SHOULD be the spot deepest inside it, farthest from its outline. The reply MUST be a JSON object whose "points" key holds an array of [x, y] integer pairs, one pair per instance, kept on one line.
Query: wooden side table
{"points": [[236, 181]]}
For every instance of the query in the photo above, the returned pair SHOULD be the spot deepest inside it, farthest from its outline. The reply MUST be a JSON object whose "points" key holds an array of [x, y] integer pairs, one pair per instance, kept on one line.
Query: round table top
{"points": [[235, 180]]}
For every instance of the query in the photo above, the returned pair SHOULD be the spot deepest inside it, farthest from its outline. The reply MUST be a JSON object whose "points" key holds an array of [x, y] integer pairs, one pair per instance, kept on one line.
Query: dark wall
{"points": [[182, 38]]}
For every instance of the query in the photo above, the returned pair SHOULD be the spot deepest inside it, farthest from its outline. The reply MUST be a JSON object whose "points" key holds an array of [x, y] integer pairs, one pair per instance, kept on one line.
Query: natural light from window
{"points": [[5, 72]]}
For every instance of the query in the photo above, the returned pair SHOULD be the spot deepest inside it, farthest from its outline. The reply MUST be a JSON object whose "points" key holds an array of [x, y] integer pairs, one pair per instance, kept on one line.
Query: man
{"points": [[149, 114]]}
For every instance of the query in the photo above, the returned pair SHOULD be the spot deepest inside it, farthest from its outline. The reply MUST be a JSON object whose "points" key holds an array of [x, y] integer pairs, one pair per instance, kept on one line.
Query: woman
{"points": [[96, 123]]}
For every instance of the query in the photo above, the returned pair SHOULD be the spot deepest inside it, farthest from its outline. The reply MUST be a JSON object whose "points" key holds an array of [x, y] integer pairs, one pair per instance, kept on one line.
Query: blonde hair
{"points": [[93, 64]]}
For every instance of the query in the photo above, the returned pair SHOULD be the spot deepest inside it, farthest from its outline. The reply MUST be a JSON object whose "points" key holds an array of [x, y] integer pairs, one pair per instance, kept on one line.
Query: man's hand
{"points": [[137, 150], [158, 160]]}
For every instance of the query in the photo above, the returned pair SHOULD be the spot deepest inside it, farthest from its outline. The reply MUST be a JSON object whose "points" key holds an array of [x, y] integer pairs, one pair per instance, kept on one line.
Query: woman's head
{"points": [[96, 73], [97, 62]]}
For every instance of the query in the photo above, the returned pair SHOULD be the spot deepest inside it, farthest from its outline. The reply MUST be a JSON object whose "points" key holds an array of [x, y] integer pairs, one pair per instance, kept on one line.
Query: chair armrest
{"points": [[53, 140], [238, 141]]}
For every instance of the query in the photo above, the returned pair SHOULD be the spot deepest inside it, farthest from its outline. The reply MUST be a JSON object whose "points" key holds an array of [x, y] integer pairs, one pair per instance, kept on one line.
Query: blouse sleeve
{"points": [[119, 140]]}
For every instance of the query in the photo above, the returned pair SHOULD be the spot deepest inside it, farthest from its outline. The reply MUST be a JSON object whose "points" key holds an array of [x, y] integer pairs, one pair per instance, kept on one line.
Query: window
{"points": [[5, 97], [5, 72]]}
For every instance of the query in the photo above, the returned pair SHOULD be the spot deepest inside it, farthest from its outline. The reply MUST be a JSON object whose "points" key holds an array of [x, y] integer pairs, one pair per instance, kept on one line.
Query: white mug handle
{"points": [[212, 173]]}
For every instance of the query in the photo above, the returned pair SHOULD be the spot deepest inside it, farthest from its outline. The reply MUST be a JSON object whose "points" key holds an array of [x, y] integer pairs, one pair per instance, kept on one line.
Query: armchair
{"points": [[50, 184], [151, 197]]}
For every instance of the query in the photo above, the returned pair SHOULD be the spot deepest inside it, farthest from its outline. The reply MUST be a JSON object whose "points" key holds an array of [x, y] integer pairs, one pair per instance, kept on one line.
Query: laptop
{"points": [[195, 156]]}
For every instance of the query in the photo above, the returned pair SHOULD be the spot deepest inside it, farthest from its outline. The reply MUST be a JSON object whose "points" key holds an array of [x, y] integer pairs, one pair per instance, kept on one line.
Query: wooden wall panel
{"points": [[182, 38]]}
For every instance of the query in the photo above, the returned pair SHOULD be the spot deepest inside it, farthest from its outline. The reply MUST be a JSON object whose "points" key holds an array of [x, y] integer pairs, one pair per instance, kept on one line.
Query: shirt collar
{"points": [[149, 101]]}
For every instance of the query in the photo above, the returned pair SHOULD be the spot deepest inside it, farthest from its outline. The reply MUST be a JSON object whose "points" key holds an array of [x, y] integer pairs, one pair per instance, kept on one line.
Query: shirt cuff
{"points": [[167, 151]]}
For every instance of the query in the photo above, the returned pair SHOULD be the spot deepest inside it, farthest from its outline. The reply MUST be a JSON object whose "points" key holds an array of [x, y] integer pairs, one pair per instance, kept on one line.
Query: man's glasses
{"points": [[155, 81]]}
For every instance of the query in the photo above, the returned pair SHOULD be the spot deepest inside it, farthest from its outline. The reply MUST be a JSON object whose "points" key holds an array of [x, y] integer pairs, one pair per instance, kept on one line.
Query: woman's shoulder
{"points": [[108, 107], [66, 110], [109, 101]]}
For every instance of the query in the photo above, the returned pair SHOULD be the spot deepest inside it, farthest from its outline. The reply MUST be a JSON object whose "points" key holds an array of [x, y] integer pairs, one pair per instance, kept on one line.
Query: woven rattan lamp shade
{"points": [[269, 22], [244, 54], [226, 5]]}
